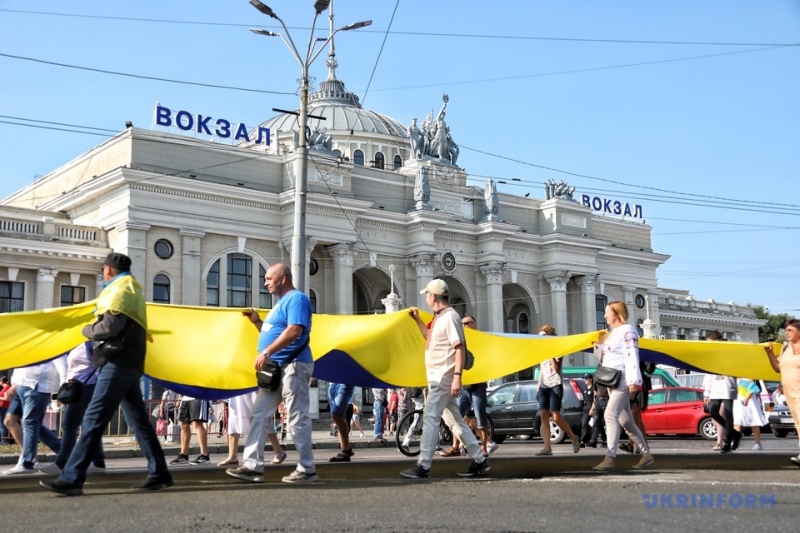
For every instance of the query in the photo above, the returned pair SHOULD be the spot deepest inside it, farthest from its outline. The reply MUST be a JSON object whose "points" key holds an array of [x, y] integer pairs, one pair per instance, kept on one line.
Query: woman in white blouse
{"points": [[620, 350]]}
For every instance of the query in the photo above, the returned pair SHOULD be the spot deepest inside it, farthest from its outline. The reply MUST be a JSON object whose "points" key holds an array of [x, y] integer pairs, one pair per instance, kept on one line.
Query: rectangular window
{"points": [[600, 303], [212, 285], [12, 296], [72, 295]]}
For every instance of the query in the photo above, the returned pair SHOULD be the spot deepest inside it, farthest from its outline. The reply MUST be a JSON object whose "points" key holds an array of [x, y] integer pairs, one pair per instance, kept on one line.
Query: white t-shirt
{"points": [[444, 335]]}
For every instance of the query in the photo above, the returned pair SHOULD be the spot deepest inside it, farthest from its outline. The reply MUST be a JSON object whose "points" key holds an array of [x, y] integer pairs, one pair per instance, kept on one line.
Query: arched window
{"points": [[523, 323], [398, 162], [380, 162], [358, 158], [232, 281], [161, 289]]}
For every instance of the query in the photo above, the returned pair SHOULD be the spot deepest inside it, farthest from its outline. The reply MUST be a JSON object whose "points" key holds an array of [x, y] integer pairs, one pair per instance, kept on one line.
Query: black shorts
{"points": [[193, 410]]}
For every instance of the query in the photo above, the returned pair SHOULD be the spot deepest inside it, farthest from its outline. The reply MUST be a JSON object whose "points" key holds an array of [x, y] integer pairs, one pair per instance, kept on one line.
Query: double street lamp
{"points": [[299, 264]]}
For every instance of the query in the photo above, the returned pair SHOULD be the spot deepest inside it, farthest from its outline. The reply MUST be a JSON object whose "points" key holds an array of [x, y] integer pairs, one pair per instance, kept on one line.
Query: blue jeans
{"points": [[377, 412], [339, 397], [71, 418], [116, 385], [34, 407]]}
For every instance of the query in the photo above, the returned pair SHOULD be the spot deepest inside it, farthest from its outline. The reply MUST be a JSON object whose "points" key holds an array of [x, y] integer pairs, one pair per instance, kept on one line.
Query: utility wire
{"points": [[142, 77], [409, 33]]}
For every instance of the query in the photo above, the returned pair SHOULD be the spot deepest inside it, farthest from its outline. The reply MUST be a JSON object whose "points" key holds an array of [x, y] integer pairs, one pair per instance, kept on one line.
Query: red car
{"points": [[678, 411]]}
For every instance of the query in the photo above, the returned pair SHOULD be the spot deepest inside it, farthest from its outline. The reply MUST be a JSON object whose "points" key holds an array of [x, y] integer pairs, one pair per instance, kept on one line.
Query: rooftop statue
{"points": [[433, 141], [559, 190]]}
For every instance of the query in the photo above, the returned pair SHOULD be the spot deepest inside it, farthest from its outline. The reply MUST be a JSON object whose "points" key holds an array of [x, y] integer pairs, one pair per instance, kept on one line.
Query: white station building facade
{"points": [[388, 209]]}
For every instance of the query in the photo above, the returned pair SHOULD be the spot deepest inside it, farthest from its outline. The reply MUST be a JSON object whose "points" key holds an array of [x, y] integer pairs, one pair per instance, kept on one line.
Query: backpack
{"points": [[469, 359]]}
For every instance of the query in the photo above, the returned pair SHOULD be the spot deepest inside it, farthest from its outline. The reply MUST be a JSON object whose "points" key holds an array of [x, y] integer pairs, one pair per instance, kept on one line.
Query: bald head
{"points": [[278, 279]]}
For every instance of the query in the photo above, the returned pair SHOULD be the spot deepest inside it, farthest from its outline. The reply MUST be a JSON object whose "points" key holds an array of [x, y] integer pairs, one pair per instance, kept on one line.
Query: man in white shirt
{"points": [[35, 385]]}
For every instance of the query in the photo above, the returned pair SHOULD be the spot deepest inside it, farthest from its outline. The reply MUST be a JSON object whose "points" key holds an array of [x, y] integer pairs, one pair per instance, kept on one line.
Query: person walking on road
{"points": [[719, 394], [550, 393], [122, 315], [620, 350], [284, 338], [788, 364], [445, 354]]}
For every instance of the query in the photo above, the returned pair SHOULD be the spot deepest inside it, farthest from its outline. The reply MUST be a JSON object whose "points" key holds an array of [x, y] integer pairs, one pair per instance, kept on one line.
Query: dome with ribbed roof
{"points": [[342, 112]]}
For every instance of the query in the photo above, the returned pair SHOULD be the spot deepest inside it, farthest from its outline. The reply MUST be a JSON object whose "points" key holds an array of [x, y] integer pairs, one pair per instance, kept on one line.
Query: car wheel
{"points": [[557, 435], [780, 433], [707, 429]]}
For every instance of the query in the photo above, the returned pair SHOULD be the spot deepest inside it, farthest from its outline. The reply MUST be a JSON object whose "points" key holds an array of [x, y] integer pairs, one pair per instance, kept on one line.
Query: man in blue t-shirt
{"points": [[283, 338]]}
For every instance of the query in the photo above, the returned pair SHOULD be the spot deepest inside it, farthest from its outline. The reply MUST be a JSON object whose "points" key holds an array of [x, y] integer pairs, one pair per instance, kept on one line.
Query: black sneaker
{"points": [[246, 474], [62, 488], [737, 437], [180, 460], [342, 457], [201, 460], [155, 483], [476, 469], [726, 448], [418, 472]]}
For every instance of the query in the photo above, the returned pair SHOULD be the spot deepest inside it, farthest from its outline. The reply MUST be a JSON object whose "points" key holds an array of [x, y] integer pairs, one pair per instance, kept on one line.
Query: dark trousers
{"points": [[599, 428], [586, 429], [116, 385], [716, 408], [71, 419]]}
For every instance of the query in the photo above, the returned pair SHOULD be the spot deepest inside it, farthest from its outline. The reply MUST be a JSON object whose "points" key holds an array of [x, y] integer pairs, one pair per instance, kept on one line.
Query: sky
{"points": [[689, 109]]}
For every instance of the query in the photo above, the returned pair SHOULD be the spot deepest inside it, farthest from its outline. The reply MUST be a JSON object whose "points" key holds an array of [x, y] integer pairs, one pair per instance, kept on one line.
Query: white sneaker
{"points": [[49, 468], [757, 447], [492, 447], [19, 469]]}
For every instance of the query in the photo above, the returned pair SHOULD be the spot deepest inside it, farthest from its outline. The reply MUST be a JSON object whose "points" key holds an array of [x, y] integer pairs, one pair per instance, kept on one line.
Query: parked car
{"points": [[513, 409], [678, 411], [781, 421], [660, 378]]}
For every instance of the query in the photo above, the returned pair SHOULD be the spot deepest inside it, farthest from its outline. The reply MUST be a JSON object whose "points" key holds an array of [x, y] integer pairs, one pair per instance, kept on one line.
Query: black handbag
{"points": [[607, 376], [106, 350], [269, 377], [271, 374], [70, 392]]}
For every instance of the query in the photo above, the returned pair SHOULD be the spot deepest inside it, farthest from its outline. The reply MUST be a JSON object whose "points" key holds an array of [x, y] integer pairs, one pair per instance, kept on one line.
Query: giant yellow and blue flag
{"points": [[208, 352]]}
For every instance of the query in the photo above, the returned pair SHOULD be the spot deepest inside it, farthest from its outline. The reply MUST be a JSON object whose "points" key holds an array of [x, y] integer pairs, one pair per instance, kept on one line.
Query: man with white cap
{"points": [[445, 353]]}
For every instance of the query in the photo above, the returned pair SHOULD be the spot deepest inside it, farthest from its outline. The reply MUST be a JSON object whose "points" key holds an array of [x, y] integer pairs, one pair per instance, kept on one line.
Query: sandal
{"points": [[626, 447], [229, 462], [279, 458], [452, 452]]}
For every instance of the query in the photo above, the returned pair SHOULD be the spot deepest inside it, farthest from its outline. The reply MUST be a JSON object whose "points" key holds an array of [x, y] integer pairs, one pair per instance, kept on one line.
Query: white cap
{"points": [[436, 286]]}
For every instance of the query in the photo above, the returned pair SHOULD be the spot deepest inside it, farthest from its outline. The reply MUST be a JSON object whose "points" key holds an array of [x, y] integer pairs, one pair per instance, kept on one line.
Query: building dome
{"points": [[342, 112]]}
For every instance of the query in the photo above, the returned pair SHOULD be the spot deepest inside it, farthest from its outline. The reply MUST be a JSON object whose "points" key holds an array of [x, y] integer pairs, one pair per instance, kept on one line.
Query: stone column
{"points": [[630, 290], [99, 283], [494, 294], [132, 241], [673, 332], [423, 263], [343, 256], [45, 288], [588, 303], [191, 269], [695, 334], [558, 299]]}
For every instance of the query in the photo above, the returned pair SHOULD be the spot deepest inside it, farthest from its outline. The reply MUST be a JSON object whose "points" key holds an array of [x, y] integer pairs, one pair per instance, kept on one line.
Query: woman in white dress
{"points": [[239, 408], [747, 411]]}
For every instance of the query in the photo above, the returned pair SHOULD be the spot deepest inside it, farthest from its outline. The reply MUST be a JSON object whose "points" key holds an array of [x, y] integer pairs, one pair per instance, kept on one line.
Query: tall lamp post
{"points": [[299, 263]]}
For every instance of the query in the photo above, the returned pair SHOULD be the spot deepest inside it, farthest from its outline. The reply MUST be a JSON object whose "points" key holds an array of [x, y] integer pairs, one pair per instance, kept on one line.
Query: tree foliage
{"points": [[773, 329]]}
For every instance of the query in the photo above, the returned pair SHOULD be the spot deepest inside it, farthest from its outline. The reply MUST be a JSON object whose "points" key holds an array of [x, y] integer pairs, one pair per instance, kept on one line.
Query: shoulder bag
{"points": [[72, 390], [271, 374], [607, 376], [106, 350]]}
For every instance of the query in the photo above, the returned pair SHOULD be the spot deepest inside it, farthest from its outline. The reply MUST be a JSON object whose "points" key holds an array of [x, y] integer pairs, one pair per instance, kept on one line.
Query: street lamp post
{"points": [[299, 264]]}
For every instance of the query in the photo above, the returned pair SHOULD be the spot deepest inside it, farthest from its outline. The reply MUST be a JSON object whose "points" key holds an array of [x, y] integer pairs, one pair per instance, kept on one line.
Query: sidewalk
{"points": [[126, 447]]}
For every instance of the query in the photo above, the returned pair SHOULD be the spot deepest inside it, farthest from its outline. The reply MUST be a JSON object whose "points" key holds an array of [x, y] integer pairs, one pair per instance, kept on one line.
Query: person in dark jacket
{"points": [[121, 319]]}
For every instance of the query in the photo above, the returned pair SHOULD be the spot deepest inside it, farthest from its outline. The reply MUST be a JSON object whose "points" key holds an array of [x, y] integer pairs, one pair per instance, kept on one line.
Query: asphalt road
{"points": [[689, 488]]}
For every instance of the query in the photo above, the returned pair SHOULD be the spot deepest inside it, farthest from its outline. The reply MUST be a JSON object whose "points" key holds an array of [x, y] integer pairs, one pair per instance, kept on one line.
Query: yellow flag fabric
{"points": [[210, 351], [123, 295]]}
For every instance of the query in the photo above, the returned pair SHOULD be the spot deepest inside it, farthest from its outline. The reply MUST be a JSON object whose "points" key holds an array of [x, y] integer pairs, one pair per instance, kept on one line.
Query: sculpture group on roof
{"points": [[433, 139], [559, 190]]}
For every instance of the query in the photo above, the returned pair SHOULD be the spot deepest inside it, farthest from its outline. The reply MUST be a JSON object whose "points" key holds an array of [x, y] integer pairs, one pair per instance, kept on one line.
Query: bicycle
{"points": [[409, 433]]}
